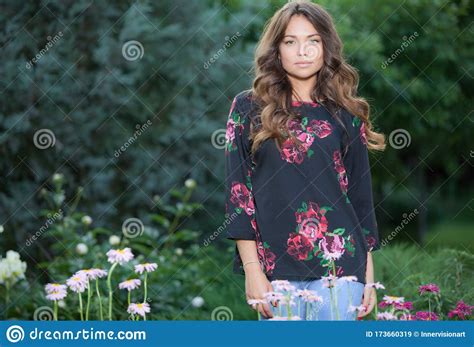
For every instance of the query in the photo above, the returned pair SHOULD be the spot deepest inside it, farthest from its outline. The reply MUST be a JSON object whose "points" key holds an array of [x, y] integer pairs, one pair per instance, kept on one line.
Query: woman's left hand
{"points": [[369, 300]]}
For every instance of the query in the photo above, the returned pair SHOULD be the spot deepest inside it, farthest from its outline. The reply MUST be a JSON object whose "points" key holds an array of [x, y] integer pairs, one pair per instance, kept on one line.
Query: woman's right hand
{"points": [[256, 285]]}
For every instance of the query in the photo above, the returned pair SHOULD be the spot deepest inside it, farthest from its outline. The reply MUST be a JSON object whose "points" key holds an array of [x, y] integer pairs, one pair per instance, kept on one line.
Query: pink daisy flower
{"points": [[256, 301], [314, 298], [408, 305], [140, 309], [148, 267], [120, 256], [376, 285], [93, 274], [283, 286], [393, 299], [55, 291], [429, 288], [353, 308], [130, 284], [77, 283], [386, 316], [329, 281], [274, 296]]}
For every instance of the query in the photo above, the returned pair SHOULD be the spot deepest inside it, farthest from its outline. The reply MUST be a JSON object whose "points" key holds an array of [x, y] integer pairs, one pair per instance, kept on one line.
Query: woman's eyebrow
{"points": [[315, 34]]}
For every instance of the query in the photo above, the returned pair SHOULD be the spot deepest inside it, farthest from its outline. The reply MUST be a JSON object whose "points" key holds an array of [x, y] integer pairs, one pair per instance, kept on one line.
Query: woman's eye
{"points": [[314, 40], [289, 42]]}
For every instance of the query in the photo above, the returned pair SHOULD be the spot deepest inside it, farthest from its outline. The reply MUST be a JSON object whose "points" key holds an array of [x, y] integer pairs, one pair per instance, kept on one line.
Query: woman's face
{"points": [[301, 50]]}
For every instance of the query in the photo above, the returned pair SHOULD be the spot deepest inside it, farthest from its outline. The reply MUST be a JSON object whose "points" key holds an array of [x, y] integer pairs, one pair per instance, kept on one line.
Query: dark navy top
{"points": [[309, 208]]}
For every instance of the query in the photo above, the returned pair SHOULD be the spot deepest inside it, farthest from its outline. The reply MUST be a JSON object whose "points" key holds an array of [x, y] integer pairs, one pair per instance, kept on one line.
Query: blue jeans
{"points": [[344, 294]]}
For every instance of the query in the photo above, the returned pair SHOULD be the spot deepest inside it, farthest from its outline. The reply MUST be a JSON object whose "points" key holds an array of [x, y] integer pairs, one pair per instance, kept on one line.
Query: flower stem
{"points": [[55, 313], [429, 305], [89, 295], [109, 287], [129, 297], [288, 309], [335, 296], [144, 285], [100, 299], [80, 306]]}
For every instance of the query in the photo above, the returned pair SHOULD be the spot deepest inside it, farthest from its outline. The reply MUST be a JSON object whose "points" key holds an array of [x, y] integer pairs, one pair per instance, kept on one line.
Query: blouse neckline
{"points": [[296, 103]]}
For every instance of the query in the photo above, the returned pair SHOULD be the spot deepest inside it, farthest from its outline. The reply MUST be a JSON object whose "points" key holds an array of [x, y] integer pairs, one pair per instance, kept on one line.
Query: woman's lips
{"points": [[303, 64]]}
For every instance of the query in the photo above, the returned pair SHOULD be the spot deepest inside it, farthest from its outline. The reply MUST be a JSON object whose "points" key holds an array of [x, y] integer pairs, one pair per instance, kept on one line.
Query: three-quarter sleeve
{"points": [[239, 200], [359, 191]]}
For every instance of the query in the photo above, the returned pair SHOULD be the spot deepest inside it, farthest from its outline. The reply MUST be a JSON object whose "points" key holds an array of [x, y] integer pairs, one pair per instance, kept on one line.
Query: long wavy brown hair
{"points": [[336, 85]]}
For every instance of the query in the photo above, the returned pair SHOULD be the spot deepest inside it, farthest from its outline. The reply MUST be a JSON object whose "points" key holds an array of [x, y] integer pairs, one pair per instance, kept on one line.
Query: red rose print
{"points": [[321, 128], [299, 246], [313, 211], [267, 258], [242, 197], [306, 134]]}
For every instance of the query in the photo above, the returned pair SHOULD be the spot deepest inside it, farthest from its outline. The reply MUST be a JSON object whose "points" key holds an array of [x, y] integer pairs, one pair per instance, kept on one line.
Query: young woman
{"points": [[298, 186]]}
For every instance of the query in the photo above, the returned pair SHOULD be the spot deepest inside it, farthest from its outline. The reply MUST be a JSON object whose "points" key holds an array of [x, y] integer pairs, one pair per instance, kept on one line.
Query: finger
{"points": [[261, 310], [267, 311], [369, 302], [365, 303]]}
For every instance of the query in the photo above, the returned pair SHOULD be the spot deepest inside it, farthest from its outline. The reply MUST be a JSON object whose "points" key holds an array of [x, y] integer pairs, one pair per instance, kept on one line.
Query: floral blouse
{"points": [[309, 210]]}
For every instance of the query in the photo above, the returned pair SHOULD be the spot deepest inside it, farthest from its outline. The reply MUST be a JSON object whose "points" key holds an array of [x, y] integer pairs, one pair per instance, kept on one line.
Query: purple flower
{"points": [[429, 288], [462, 311], [425, 315]]}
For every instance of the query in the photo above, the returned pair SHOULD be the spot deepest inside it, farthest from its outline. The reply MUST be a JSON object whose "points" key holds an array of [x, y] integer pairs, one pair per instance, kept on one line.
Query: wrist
{"points": [[252, 267]]}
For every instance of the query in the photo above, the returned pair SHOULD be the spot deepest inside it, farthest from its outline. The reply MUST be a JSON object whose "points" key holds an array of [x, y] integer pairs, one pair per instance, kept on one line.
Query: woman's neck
{"points": [[302, 88]]}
